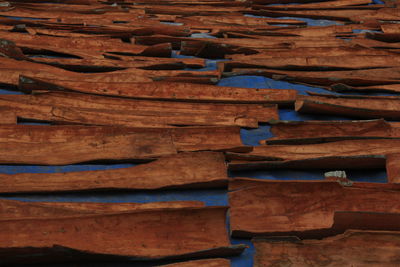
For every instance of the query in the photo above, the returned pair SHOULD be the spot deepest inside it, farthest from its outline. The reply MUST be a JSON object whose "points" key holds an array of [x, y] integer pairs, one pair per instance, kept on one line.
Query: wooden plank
{"points": [[44, 145], [307, 208], [308, 132], [14, 209], [166, 91], [184, 170], [202, 263], [99, 110], [353, 248], [393, 168], [368, 107], [202, 233]]}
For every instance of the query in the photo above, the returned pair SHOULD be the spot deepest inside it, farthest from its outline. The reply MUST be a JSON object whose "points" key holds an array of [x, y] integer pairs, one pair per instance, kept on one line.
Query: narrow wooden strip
{"points": [[13, 209], [307, 208], [188, 170], [350, 106], [202, 263], [393, 168], [166, 91], [308, 132], [98, 110]]}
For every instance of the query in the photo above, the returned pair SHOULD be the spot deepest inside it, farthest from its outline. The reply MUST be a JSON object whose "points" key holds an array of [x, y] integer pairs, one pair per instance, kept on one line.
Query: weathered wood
{"points": [[139, 234], [201, 263], [308, 208], [56, 145], [393, 168], [308, 132], [187, 170], [368, 107], [13, 209], [353, 248], [166, 91], [100, 110], [305, 63]]}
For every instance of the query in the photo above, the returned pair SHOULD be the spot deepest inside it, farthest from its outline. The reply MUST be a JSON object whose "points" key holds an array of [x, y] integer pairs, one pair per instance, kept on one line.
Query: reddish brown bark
{"points": [[346, 148], [98, 110], [187, 170], [11, 70], [7, 116], [351, 106], [140, 234], [393, 168], [77, 144], [13, 209], [353, 248], [367, 77], [308, 208], [202, 263], [308, 132], [315, 63], [168, 91]]}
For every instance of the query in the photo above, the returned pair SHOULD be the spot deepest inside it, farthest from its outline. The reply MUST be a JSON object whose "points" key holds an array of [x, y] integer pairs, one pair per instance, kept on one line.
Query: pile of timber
{"points": [[124, 81]]}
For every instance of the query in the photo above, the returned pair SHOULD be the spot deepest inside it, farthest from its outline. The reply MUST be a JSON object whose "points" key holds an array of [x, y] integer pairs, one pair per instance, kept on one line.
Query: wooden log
{"points": [[353, 248], [184, 170], [307, 208], [166, 91], [202, 233]]}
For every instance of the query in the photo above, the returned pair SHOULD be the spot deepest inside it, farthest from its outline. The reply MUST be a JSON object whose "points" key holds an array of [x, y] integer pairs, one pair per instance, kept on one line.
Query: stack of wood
{"points": [[122, 81]]}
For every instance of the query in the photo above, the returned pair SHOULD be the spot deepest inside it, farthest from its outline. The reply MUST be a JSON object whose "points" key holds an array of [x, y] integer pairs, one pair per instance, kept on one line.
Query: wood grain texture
{"points": [[147, 234], [99, 110], [309, 208], [201, 263], [187, 170], [57, 145], [308, 132], [16, 210], [368, 107], [353, 248], [166, 91]]}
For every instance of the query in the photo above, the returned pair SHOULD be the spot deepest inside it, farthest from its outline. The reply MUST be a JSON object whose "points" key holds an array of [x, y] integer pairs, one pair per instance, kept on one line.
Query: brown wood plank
{"points": [[166, 91], [353, 248], [140, 234], [184, 170], [308, 208]]}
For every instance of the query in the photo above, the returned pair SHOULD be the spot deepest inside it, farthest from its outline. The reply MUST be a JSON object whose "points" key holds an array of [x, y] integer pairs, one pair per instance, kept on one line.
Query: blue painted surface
{"points": [[210, 197]]}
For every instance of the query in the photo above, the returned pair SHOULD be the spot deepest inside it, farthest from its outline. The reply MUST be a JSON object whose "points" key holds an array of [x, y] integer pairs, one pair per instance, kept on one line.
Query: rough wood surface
{"points": [[307, 132], [85, 109], [57, 145], [140, 234], [308, 208], [353, 248], [13, 209], [188, 170], [201, 263], [166, 91], [351, 106], [393, 168]]}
